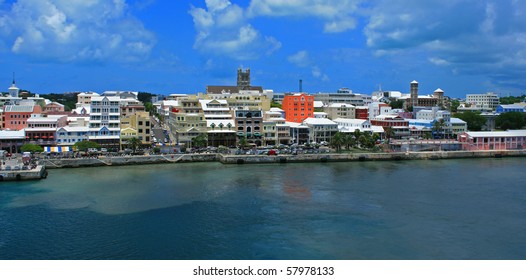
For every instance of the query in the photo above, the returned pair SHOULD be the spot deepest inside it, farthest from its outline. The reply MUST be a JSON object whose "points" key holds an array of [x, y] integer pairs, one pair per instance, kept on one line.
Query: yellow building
{"points": [[138, 122]]}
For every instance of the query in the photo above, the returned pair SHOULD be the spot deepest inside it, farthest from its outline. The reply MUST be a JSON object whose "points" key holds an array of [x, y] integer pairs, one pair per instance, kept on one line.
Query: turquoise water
{"points": [[449, 209]]}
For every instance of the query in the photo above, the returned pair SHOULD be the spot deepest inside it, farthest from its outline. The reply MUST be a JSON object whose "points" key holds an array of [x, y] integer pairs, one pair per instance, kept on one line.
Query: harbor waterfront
{"points": [[241, 159], [430, 209]]}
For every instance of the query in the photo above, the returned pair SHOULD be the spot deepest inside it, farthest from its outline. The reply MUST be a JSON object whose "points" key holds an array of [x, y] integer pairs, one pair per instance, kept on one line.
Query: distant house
{"points": [[54, 107], [519, 107]]}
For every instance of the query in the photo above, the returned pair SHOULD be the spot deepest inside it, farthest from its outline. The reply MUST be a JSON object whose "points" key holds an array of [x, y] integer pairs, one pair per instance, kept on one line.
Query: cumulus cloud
{"points": [[338, 15], [223, 29], [470, 37], [303, 60], [75, 30]]}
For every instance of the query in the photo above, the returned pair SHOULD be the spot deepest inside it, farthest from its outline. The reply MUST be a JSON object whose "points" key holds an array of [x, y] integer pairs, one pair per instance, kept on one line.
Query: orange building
{"points": [[15, 116], [298, 107]]}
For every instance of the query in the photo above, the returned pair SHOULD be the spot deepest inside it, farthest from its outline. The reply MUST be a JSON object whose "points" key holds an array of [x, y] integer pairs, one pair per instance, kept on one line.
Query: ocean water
{"points": [[442, 209]]}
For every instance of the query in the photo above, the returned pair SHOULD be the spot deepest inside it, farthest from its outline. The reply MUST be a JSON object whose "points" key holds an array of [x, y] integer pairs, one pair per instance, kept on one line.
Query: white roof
{"points": [[318, 121], [339, 105], [217, 122], [109, 98], [75, 128], [456, 120], [12, 134], [514, 106], [294, 125], [349, 121], [50, 118], [318, 104], [276, 109], [170, 103], [509, 133]]}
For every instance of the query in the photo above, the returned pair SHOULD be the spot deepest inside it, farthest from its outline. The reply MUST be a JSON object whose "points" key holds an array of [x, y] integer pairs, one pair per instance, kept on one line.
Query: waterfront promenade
{"points": [[286, 158]]}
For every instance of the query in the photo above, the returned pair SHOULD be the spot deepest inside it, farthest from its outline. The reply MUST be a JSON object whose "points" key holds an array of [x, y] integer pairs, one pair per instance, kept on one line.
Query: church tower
{"points": [[13, 90], [243, 79]]}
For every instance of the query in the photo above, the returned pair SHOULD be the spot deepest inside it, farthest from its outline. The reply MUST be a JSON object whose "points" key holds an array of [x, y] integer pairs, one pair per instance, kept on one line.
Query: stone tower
{"points": [[243, 79], [414, 94]]}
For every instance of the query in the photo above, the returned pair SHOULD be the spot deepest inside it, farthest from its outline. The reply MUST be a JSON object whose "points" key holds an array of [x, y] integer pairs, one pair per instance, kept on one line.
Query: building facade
{"points": [[298, 107]]}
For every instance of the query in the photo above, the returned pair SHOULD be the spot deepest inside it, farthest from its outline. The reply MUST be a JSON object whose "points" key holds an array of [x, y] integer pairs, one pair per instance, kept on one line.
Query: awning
{"points": [[57, 149], [240, 134]]}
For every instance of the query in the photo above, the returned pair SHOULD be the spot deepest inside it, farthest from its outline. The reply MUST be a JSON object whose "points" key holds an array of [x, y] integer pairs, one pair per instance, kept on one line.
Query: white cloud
{"points": [[338, 15], [470, 37], [223, 29], [300, 58], [75, 30], [303, 60]]}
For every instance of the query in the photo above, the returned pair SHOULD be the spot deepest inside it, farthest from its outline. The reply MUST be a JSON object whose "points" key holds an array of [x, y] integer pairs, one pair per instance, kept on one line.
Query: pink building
{"points": [[493, 140], [15, 116]]}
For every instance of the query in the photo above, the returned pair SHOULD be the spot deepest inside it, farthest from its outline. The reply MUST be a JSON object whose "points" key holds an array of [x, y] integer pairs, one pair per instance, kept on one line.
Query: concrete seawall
{"points": [[259, 159], [126, 160], [242, 159]]}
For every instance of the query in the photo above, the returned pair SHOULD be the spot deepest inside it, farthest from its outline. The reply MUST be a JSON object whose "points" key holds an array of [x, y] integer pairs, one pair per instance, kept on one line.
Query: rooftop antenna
{"points": [[13, 77], [301, 85]]}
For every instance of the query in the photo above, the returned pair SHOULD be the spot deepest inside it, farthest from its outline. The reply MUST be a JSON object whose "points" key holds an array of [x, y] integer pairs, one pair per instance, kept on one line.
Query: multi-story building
{"points": [[138, 122], [249, 124], [16, 116], [280, 133], [320, 129], [69, 135], [494, 140], [12, 140], [104, 124], [342, 96], [485, 102], [351, 125], [458, 126], [298, 107], [220, 123], [378, 108], [398, 125], [84, 98], [42, 130], [362, 112], [340, 110]]}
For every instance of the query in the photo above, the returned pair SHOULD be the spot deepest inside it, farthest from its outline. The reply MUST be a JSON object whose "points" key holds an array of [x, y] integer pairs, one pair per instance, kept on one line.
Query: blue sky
{"points": [[461, 46]]}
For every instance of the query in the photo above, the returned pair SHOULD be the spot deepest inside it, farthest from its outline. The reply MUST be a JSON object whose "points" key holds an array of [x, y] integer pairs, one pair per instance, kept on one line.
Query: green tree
{"points": [[510, 120], [85, 145], [337, 141], [133, 143], [274, 104], [454, 105], [389, 133], [396, 104], [474, 120], [243, 143], [200, 141], [512, 99], [438, 128], [33, 148]]}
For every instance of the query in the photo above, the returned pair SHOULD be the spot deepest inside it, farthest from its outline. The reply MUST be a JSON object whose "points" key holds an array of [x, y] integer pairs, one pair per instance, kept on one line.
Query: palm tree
{"points": [[134, 143], [337, 141], [438, 127], [389, 132]]}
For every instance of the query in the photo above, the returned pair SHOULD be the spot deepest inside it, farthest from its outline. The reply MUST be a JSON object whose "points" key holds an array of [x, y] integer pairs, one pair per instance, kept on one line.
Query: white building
{"points": [[320, 129], [486, 102], [104, 126], [84, 98], [350, 125]]}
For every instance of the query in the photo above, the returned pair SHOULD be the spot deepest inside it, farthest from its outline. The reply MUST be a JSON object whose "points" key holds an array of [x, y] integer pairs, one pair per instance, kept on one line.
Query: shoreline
{"points": [[261, 159]]}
